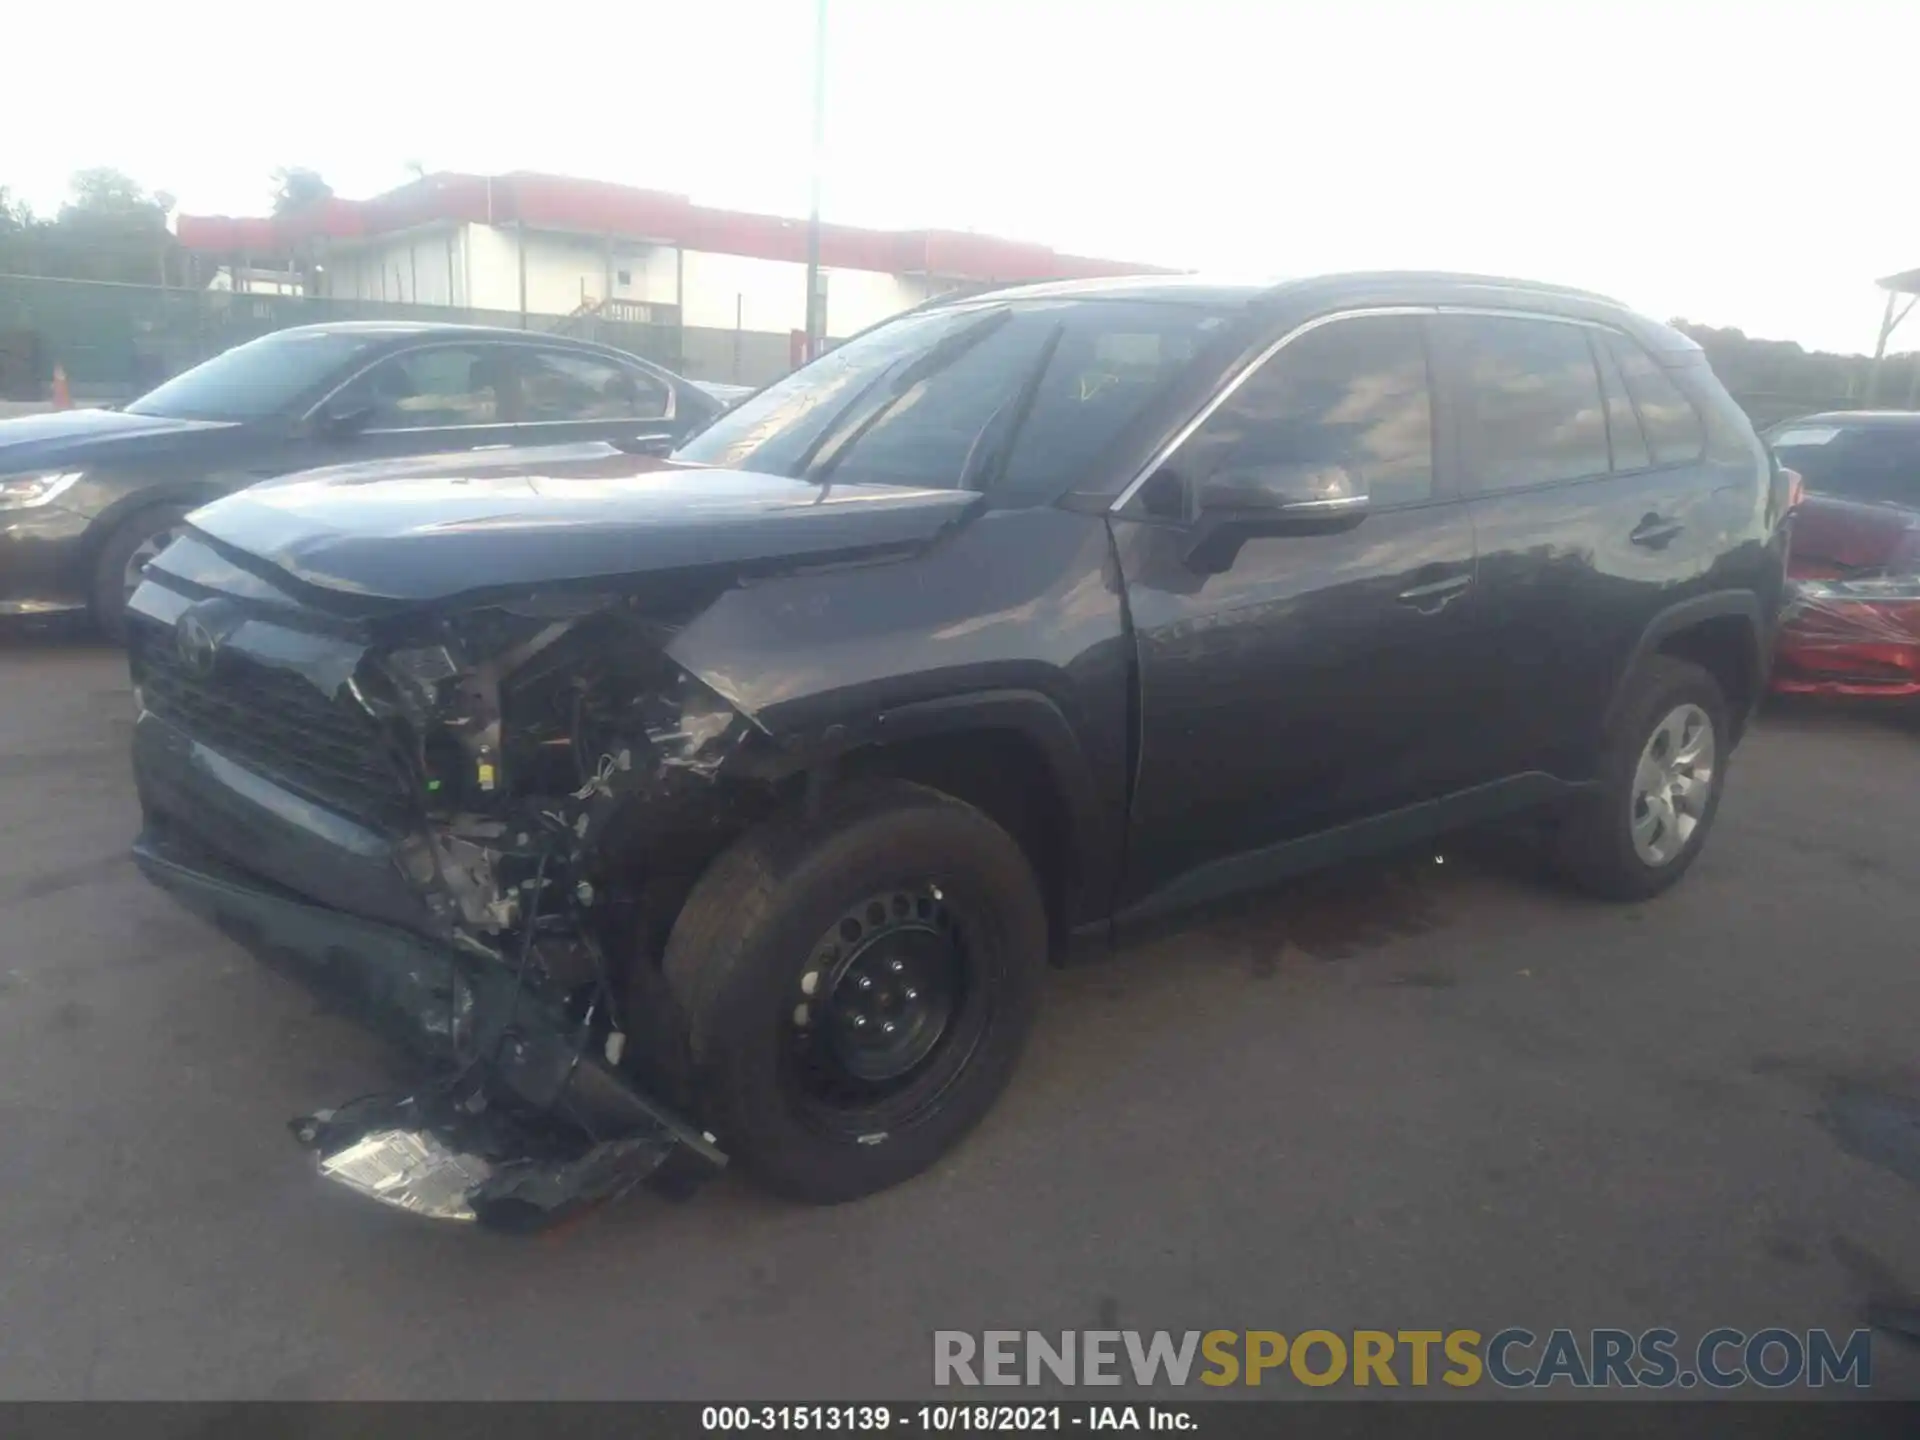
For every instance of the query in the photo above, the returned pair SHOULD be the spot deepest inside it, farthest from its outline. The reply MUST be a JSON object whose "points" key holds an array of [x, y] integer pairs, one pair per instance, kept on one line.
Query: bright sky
{"points": [[1736, 162]]}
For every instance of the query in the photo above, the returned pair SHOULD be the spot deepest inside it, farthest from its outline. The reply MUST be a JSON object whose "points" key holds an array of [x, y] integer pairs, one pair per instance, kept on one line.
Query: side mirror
{"points": [[1235, 504]]}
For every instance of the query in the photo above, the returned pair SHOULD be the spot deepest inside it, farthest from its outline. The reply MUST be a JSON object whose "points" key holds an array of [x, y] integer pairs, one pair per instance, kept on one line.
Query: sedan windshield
{"points": [[260, 378], [1020, 395]]}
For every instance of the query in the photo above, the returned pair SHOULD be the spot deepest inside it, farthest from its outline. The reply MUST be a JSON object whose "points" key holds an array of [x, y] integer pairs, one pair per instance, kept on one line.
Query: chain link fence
{"points": [[115, 341]]}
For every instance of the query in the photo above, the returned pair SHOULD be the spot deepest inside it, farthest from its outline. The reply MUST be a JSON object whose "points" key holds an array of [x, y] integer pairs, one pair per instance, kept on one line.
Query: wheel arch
{"points": [[1014, 755], [1724, 632], [189, 493]]}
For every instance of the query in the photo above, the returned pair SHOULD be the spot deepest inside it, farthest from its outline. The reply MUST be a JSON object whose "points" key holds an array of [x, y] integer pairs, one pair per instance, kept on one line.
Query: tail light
{"points": [[1897, 581], [1796, 488]]}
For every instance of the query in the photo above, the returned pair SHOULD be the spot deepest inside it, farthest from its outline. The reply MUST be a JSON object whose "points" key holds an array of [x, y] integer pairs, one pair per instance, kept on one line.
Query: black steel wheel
{"points": [[857, 987], [881, 1013]]}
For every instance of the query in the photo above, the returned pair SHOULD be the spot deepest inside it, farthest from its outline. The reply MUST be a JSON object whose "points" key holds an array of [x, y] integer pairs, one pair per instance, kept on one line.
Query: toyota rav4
{"points": [[733, 804]]}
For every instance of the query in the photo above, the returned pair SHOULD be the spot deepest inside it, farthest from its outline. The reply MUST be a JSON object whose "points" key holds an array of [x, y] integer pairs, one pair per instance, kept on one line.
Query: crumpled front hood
{"points": [[59, 437], [430, 531]]}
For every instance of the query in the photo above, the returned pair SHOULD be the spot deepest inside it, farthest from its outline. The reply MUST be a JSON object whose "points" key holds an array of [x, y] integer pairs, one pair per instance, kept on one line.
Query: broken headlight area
{"points": [[545, 755], [463, 1159], [558, 767]]}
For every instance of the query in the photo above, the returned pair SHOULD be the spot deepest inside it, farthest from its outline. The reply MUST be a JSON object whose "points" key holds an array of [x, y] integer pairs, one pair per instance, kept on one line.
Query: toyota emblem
{"points": [[198, 646]]}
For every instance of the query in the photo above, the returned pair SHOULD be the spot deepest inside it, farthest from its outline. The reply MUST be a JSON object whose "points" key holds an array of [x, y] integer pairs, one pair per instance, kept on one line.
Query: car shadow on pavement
{"points": [[57, 632], [1823, 712], [1361, 905]]}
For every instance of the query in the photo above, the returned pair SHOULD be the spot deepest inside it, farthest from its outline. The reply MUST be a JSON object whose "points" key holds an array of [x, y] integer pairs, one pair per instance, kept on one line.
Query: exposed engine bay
{"points": [[555, 783], [460, 748]]}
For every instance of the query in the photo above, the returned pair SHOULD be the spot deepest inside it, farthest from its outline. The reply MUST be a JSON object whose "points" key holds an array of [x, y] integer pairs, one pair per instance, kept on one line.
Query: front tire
{"points": [[857, 987], [116, 570], [1661, 776]]}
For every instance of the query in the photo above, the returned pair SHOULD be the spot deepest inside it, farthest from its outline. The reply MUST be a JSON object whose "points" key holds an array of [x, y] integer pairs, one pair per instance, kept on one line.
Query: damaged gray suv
{"points": [[732, 805]]}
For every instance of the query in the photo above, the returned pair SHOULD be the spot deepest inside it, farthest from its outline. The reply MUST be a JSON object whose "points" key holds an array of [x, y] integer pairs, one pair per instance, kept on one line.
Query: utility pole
{"points": [[815, 320], [1907, 284]]}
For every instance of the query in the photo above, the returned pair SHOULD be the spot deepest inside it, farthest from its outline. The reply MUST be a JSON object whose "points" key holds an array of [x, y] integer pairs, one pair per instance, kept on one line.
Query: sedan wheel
{"points": [[142, 553], [124, 556]]}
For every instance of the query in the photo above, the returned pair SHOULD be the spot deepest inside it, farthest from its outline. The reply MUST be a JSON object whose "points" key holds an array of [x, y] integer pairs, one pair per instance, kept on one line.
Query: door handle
{"points": [[1655, 531], [1435, 595]]}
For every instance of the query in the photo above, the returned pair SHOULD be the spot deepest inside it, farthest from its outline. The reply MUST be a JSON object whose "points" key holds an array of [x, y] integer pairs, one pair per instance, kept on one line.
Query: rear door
{"points": [[1585, 464], [1315, 681], [570, 396]]}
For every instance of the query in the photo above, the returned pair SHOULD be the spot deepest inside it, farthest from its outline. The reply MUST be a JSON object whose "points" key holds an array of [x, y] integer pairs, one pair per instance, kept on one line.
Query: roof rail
{"points": [[1451, 277]]}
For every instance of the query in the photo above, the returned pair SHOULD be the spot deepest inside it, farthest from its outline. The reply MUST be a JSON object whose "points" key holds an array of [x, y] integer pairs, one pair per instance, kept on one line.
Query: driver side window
{"points": [[446, 385], [1352, 393]]}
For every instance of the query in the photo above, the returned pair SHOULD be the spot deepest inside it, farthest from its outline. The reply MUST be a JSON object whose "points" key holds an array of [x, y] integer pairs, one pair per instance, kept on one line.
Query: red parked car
{"points": [[1853, 624]]}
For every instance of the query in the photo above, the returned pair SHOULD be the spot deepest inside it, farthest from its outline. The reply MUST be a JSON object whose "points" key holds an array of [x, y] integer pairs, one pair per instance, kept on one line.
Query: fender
{"points": [[1683, 615], [1097, 827], [195, 492]]}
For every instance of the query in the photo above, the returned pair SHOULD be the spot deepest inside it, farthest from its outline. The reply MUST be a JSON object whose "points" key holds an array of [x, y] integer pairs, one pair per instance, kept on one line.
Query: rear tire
{"points": [[1661, 776], [112, 567], [893, 896]]}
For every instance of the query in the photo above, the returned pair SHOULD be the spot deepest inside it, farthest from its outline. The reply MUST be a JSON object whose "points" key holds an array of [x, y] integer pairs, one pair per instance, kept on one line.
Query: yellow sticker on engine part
{"points": [[486, 776]]}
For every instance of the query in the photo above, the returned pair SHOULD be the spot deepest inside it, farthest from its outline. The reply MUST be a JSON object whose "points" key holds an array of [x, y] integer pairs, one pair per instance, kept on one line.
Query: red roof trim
{"points": [[553, 202]]}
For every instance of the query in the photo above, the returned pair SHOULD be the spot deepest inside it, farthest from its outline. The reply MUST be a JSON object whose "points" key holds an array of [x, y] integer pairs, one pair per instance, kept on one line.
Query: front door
{"points": [[1316, 681], [437, 399], [572, 396], [490, 395]]}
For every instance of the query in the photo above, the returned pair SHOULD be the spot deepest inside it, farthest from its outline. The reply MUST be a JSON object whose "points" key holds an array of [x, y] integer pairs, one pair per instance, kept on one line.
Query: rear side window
{"points": [[1623, 426], [563, 385], [1353, 393], [1674, 432], [1532, 412]]}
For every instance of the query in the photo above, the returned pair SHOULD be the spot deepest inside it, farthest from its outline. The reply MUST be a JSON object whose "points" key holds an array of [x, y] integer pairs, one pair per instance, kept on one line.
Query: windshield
{"points": [[260, 378], [1019, 396]]}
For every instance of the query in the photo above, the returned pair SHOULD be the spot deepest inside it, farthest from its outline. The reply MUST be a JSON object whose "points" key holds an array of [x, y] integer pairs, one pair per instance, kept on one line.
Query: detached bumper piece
{"points": [[443, 1159], [532, 1127]]}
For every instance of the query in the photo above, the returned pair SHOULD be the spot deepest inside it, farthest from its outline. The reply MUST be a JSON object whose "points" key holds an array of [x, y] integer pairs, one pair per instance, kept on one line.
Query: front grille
{"points": [[277, 723]]}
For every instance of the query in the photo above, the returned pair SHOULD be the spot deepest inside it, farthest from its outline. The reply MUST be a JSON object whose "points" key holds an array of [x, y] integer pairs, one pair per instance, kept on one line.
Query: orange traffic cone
{"points": [[62, 396]]}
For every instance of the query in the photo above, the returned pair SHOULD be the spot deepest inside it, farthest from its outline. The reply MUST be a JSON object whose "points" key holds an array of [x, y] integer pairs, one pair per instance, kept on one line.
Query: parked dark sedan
{"points": [[1854, 625], [87, 497]]}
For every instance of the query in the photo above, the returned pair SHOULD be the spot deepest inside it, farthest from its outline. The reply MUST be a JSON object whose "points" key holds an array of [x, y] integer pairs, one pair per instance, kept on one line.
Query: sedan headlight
{"points": [[21, 492]]}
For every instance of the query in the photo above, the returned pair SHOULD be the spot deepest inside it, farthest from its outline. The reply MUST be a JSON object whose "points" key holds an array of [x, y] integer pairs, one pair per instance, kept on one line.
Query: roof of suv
{"points": [[1875, 419], [1203, 288], [1378, 287]]}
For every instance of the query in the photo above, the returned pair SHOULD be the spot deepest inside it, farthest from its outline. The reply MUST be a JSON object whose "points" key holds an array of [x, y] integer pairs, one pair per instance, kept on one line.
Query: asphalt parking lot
{"points": [[1403, 1095]]}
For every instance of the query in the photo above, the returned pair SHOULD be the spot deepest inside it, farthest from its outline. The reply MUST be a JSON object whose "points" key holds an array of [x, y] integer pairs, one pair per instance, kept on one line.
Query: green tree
{"points": [[103, 193], [110, 228], [15, 215], [296, 187]]}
